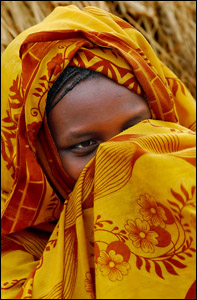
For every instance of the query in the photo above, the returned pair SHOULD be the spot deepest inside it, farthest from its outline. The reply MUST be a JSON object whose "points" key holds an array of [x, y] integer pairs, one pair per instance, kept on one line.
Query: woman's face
{"points": [[94, 111]]}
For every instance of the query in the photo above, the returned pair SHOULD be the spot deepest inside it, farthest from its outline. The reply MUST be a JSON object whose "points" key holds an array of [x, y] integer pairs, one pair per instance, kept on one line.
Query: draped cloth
{"points": [[126, 228]]}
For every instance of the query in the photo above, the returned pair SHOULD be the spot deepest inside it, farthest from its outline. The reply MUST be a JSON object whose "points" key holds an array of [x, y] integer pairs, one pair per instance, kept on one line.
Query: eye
{"points": [[84, 148], [85, 144]]}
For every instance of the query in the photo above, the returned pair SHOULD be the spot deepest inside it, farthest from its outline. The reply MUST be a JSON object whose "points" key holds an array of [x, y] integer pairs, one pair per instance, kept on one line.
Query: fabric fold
{"points": [[128, 223]]}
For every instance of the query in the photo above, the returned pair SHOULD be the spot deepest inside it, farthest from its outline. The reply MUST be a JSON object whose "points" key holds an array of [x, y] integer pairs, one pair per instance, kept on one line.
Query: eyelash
{"points": [[94, 142], [84, 149], [88, 149]]}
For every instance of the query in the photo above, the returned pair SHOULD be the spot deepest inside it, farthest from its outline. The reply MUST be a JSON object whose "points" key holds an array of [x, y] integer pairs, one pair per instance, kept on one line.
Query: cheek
{"points": [[73, 165]]}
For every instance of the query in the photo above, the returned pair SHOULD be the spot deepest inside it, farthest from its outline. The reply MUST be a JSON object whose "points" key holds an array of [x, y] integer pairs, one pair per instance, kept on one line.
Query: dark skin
{"points": [[93, 112]]}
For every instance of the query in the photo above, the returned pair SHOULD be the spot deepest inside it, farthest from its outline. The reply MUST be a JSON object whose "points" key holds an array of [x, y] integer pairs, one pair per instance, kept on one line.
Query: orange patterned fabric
{"points": [[126, 228]]}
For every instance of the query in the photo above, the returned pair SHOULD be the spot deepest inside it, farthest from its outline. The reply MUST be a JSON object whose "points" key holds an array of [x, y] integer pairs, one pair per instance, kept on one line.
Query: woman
{"points": [[98, 173]]}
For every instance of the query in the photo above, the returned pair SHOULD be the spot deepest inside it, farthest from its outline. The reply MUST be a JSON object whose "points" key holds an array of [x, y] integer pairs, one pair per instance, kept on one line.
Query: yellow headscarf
{"points": [[133, 203]]}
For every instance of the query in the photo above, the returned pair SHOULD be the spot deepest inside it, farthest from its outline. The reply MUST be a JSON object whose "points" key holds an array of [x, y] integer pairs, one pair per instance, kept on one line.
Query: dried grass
{"points": [[169, 26]]}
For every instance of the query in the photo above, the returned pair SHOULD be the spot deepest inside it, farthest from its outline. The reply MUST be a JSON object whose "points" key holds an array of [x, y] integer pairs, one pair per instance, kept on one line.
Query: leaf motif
{"points": [[169, 268], [178, 218], [15, 88], [123, 238], [191, 239], [36, 94], [38, 89], [174, 204], [158, 270], [192, 249], [42, 84], [147, 265], [43, 77], [193, 190], [176, 263], [188, 254], [174, 86], [99, 224], [55, 243], [6, 283], [115, 228], [176, 211], [182, 88], [185, 192], [178, 197], [180, 256], [139, 262], [109, 222]]}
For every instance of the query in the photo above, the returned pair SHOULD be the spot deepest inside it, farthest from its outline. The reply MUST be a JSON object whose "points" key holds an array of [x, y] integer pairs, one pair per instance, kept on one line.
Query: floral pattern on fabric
{"points": [[128, 223]]}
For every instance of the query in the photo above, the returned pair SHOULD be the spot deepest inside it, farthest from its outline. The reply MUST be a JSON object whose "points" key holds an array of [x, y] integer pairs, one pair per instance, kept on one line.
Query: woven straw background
{"points": [[169, 26]]}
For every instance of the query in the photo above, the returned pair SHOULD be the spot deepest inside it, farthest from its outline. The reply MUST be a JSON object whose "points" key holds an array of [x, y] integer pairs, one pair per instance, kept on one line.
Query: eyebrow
{"points": [[78, 134]]}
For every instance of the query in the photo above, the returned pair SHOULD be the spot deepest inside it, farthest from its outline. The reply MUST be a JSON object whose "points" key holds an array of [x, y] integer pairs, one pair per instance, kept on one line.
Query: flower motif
{"points": [[141, 236], [150, 211], [33, 129], [53, 66], [113, 265]]}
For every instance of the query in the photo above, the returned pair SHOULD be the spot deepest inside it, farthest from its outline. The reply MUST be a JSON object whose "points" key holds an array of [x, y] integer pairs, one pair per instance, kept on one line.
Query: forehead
{"points": [[94, 100]]}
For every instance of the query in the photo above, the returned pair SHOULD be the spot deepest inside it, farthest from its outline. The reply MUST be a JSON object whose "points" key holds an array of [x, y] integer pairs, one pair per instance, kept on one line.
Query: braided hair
{"points": [[71, 76]]}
